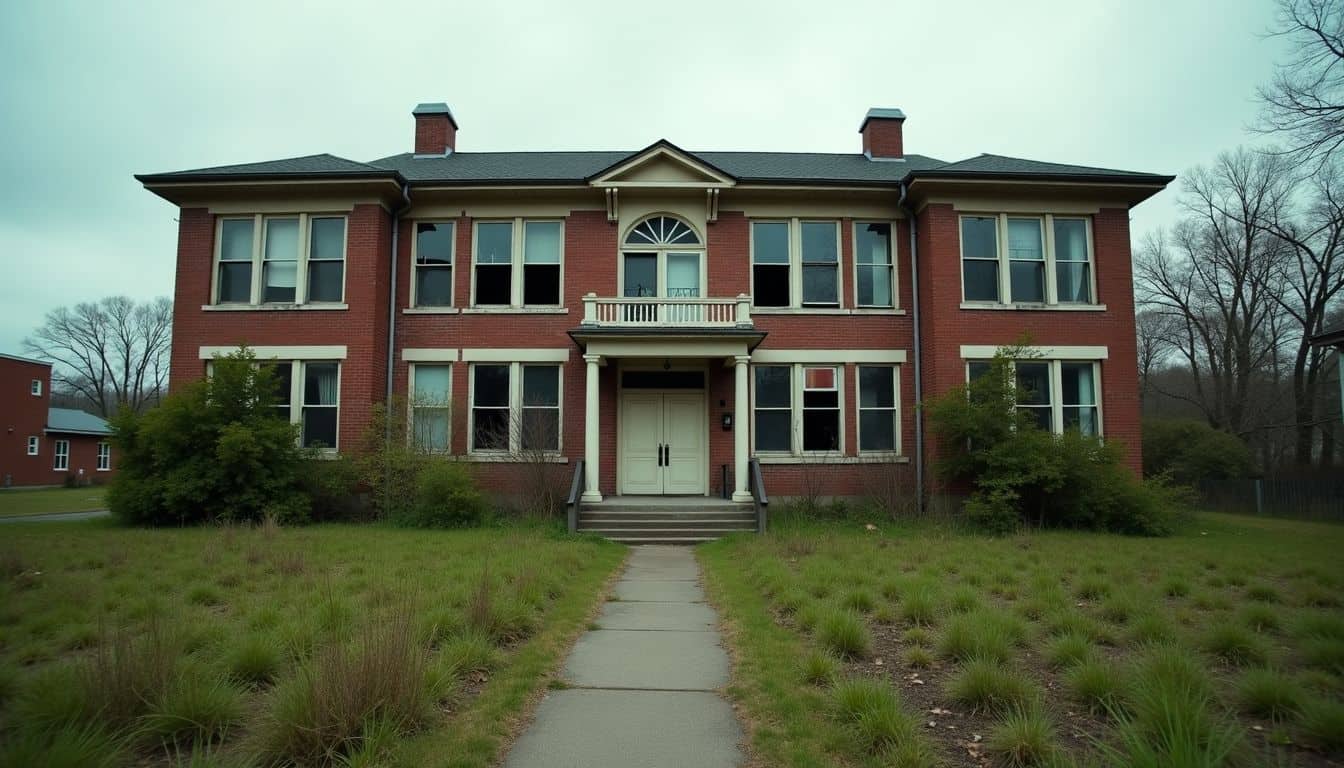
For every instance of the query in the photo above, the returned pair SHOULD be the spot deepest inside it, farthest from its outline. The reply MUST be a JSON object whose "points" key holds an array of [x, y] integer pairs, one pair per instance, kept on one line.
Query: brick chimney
{"points": [[435, 129], [881, 129]]}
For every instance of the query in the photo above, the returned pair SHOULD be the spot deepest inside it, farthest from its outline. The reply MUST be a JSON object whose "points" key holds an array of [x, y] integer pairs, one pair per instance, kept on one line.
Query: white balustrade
{"points": [[654, 312]]}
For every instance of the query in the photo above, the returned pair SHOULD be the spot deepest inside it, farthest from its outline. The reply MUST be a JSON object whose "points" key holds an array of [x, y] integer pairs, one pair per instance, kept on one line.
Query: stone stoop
{"points": [[654, 520]]}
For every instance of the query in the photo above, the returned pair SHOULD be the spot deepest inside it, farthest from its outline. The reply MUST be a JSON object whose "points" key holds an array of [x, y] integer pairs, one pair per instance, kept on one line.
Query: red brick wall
{"points": [[946, 326], [434, 134], [362, 328], [883, 138]]}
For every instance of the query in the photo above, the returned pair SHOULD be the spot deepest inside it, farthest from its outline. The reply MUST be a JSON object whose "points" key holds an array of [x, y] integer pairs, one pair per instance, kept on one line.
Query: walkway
{"points": [[643, 685], [56, 517]]}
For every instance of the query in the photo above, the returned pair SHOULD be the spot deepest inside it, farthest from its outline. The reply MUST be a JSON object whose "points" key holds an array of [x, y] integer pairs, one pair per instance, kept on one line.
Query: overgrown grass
{"points": [[235, 646], [40, 501], [1223, 645]]}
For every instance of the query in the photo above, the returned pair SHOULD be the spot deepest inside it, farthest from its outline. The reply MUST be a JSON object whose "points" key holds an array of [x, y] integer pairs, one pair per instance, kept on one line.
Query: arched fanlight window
{"points": [[661, 230]]}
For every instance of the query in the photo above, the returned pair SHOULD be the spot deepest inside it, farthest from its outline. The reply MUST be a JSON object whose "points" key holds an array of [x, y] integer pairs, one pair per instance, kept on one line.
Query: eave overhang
{"points": [[1131, 189]]}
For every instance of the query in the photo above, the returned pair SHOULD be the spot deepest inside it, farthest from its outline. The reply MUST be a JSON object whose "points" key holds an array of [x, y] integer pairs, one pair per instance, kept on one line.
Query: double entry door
{"points": [[663, 437]]}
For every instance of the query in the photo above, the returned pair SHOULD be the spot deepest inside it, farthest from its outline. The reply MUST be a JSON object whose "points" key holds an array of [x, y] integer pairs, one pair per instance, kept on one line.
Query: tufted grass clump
{"points": [[1261, 592], [1322, 722], [982, 634], [1096, 684], [1176, 586], [1268, 693], [1234, 644], [844, 634], [986, 685], [859, 600], [1024, 737], [1150, 628], [1260, 618], [1092, 588], [253, 659], [66, 746], [879, 724], [196, 708], [1068, 650], [819, 667], [920, 606]]}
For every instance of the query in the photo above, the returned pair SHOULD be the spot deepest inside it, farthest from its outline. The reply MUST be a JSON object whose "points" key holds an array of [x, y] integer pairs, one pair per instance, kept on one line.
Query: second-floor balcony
{"points": [[662, 312]]}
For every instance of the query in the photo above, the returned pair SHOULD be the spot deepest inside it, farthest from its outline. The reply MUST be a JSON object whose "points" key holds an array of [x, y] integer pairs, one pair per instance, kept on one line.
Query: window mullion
{"points": [[896, 415], [301, 268], [795, 263], [1056, 397], [1051, 283], [296, 373], [1005, 262], [796, 408], [516, 259], [258, 224], [515, 419]]}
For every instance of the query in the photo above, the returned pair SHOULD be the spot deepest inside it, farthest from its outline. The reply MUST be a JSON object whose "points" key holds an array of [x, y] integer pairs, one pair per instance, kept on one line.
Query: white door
{"points": [[663, 443]]}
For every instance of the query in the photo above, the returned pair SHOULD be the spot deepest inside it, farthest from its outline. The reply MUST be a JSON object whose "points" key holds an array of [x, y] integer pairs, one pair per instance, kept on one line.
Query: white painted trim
{"points": [[893, 256], [60, 459], [822, 459], [431, 311], [453, 267], [317, 353], [667, 348], [987, 351], [1034, 307], [506, 355], [273, 307], [713, 177], [493, 310], [833, 311], [834, 356], [429, 355]]}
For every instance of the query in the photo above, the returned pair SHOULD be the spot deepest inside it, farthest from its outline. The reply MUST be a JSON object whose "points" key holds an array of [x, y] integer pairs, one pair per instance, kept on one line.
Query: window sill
{"points": [[1037, 307], [825, 311], [509, 458], [102, 470], [271, 307], [430, 311], [824, 459], [516, 311]]}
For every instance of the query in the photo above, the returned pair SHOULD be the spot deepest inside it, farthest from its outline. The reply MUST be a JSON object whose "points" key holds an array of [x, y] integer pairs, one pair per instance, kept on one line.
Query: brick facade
{"points": [[593, 227], [24, 415]]}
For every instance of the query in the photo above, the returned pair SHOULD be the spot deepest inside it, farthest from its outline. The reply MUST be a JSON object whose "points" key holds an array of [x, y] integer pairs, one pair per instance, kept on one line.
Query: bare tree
{"points": [[113, 352], [1310, 282], [1305, 101], [1215, 278], [1154, 330]]}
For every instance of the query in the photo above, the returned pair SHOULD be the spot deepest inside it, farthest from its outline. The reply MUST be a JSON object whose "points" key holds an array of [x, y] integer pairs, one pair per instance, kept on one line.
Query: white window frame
{"points": [[517, 248], [1056, 388], [61, 456], [259, 222], [411, 402], [796, 381], [795, 263], [1004, 260], [515, 406], [894, 268], [897, 446], [104, 456], [35, 389], [452, 265], [34, 445], [660, 252]]}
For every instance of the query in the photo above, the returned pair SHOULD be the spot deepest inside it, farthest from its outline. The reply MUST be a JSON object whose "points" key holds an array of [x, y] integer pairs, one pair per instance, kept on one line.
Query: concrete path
{"points": [[55, 517], [644, 684]]}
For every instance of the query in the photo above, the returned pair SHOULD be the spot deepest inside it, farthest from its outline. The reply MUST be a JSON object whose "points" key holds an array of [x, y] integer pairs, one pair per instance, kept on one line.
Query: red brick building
{"points": [[42, 445], [665, 314]]}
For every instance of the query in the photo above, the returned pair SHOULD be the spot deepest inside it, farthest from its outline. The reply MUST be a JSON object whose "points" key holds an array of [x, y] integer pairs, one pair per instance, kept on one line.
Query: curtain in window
{"points": [[1080, 397], [1073, 281], [1026, 266], [430, 407], [280, 273]]}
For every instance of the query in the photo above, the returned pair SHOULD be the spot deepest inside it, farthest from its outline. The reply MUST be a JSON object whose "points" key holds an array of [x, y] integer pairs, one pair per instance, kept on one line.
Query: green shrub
{"points": [[214, 450], [332, 487], [446, 496], [1023, 474], [1188, 450]]}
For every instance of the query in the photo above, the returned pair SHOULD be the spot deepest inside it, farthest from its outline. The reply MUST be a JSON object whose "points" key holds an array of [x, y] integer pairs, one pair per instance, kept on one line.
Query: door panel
{"points": [[684, 434], [641, 434]]}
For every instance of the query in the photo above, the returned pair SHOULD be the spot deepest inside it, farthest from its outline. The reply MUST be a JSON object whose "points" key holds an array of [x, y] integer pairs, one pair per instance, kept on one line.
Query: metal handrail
{"points": [[759, 499], [575, 492]]}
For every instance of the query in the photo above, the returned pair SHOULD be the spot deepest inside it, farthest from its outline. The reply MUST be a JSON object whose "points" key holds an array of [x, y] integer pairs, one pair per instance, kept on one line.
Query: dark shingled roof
{"points": [[579, 167]]}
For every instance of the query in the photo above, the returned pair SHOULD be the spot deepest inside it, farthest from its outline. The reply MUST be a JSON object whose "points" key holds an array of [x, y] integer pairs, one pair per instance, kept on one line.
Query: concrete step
{"points": [[632, 516], [619, 534], [666, 522], [635, 541], [677, 509]]}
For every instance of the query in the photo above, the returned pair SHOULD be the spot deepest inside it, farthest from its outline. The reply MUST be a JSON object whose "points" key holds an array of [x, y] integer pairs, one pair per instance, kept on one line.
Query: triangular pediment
{"points": [[662, 164]]}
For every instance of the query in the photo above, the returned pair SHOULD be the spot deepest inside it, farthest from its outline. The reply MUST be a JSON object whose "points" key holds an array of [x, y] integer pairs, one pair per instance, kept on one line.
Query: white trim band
{"points": [[428, 355], [888, 356], [986, 351], [333, 352], [553, 355]]}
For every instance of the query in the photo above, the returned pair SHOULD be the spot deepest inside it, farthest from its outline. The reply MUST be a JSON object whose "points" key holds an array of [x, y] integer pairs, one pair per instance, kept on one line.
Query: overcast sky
{"points": [[91, 94]]}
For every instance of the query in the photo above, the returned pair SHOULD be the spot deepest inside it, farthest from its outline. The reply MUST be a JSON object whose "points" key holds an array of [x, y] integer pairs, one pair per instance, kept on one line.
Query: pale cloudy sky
{"points": [[92, 92]]}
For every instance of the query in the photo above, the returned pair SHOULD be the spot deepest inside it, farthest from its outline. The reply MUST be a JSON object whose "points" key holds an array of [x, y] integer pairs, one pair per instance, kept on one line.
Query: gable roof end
{"points": [[662, 147]]}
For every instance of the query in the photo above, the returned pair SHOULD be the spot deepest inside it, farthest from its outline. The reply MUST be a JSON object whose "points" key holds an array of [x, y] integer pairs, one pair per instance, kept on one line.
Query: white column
{"points": [[741, 425], [592, 431]]}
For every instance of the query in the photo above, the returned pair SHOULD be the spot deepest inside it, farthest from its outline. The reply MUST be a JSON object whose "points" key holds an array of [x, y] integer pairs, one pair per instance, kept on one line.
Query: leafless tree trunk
{"points": [[1155, 331], [1305, 101], [114, 352]]}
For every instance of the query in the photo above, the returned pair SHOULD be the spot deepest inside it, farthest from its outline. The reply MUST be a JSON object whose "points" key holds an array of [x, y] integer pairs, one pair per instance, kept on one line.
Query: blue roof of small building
{"points": [[75, 422]]}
